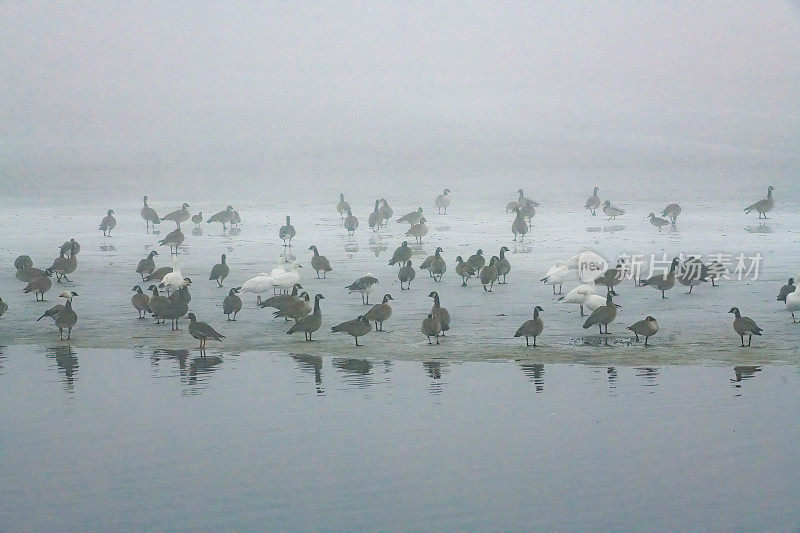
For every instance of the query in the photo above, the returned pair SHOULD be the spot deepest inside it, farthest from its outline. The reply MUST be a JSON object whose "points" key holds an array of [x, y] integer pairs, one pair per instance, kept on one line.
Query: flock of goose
{"points": [[169, 296]]}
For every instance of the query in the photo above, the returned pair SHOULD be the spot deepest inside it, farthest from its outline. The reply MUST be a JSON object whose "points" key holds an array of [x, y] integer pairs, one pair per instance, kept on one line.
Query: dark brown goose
{"points": [[401, 254], [531, 328], [647, 327], [464, 269], [173, 239], [149, 215], [179, 215], [503, 265], [309, 323], [39, 285], [438, 265], [320, 263], [67, 317], [147, 265], [108, 223], [232, 304], [603, 315], [744, 325], [140, 301], [358, 327], [286, 233], [375, 220], [519, 227], [223, 217], [350, 223], [406, 275], [431, 328], [440, 313], [202, 332], [380, 313], [220, 271], [488, 274], [342, 207]]}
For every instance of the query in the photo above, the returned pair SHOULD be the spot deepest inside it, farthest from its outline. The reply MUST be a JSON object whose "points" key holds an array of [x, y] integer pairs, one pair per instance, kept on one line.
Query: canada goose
{"points": [[557, 275], [108, 223], [159, 305], [149, 215], [662, 282], [139, 301], [39, 285], [342, 207], [527, 210], [320, 263], [464, 269], [375, 220], [519, 227], [440, 313], [418, 231], [786, 289], [197, 218], [296, 309], [477, 260], [489, 274], [692, 272], [70, 247], [672, 211], [503, 265], [715, 271], [3, 307], [223, 217], [406, 275], [442, 201], [357, 328], [516, 203], [63, 265], [179, 215], [220, 271], [380, 313], [235, 218], [284, 281], [179, 301], [647, 327], [612, 211], [147, 265], [611, 277], [363, 285], [202, 332], [67, 317], [763, 206], [309, 323], [23, 261], [257, 285], [426, 264], [158, 274], [593, 202], [401, 254], [603, 315], [232, 304], [173, 239], [793, 303], [280, 301], [385, 211], [287, 232], [438, 266], [657, 221], [52, 312], [431, 328], [350, 223], [27, 274], [744, 325], [412, 218], [531, 328]]}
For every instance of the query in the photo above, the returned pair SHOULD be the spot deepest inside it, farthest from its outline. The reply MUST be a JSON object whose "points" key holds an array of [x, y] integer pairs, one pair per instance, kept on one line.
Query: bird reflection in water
{"points": [[611, 372], [535, 373], [2, 358], [67, 363], [200, 368], [311, 363], [181, 356], [434, 370], [377, 245], [107, 248], [356, 371], [650, 376], [758, 228], [742, 373]]}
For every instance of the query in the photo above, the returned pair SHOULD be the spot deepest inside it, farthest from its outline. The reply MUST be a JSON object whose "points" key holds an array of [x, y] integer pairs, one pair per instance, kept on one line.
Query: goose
{"points": [[418, 231], [179, 215], [380, 313], [401, 254], [692, 272], [357, 328], [342, 207], [257, 285], [197, 218], [431, 328], [52, 312], [762, 207], [71, 247], [158, 274], [139, 301], [149, 215], [235, 218], [202, 332], [223, 217], [28, 274], [440, 313], [557, 275], [662, 282], [477, 260], [438, 266], [375, 221], [64, 265], [173, 280], [657, 221], [464, 269], [280, 301], [220, 271], [593, 202], [611, 277], [23, 261], [286, 233], [385, 211], [786, 290], [39, 285], [527, 210], [286, 280], [406, 275], [612, 211], [603, 315], [3, 307], [489, 274], [350, 223], [516, 203], [159, 305], [295, 310], [363, 285], [173, 239], [503, 265], [232, 304], [67, 317], [108, 223], [146, 265], [647, 327], [412, 218], [744, 325], [581, 295], [426, 265], [793, 303], [519, 227], [531, 328], [309, 323], [179, 301], [320, 263], [672, 211], [715, 271], [442, 201]]}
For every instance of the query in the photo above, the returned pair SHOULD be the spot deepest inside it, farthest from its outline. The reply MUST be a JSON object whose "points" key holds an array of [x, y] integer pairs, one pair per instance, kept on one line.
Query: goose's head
{"points": [[537, 309], [408, 263], [446, 192], [770, 188], [405, 244], [433, 294], [136, 288], [419, 210], [734, 310], [607, 203], [438, 250], [192, 317], [187, 281], [459, 259], [319, 297], [596, 189], [504, 249], [233, 291], [152, 288], [791, 281], [110, 212], [651, 215], [144, 200], [68, 295], [649, 318]]}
